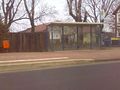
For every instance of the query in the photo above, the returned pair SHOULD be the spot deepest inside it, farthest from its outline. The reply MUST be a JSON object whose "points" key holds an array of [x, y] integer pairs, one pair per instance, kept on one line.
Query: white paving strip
{"points": [[38, 61], [34, 60]]}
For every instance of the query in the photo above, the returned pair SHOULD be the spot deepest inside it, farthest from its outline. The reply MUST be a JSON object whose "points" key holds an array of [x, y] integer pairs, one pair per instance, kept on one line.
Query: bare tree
{"points": [[101, 11], [106, 8], [30, 6], [10, 9], [75, 10], [31, 12], [46, 11], [98, 10], [92, 9]]}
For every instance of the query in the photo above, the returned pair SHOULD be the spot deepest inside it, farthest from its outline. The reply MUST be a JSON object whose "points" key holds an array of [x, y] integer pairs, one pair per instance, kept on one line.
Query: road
{"points": [[90, 77]]}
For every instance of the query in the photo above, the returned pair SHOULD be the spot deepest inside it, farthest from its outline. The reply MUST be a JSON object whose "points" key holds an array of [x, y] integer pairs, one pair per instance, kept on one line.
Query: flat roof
{"points": [[74, 23]]}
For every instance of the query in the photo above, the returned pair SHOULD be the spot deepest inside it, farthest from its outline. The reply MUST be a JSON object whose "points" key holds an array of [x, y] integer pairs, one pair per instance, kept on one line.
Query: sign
{"points": [[115, 38], [6, 44]]}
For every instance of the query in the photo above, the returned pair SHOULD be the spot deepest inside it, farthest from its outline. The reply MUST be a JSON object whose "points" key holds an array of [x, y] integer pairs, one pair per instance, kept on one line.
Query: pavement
{"points": [[94, 54]]}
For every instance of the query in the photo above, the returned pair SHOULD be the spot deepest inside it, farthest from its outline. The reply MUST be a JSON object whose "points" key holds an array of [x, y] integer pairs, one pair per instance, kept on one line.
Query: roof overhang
{"points": [[73, 24]]}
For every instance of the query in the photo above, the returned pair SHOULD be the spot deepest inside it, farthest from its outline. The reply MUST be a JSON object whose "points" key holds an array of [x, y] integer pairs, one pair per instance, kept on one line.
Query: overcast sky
{"points": [[59, 6]]}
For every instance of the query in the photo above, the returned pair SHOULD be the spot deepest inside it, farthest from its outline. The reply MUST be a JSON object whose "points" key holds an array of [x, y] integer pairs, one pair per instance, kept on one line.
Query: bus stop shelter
{"points": [[74, 35]]}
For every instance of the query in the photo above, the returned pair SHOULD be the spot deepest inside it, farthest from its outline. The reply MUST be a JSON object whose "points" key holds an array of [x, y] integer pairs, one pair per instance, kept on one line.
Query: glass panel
{"points": [[70, 37], [55, 37], [86, 37]]}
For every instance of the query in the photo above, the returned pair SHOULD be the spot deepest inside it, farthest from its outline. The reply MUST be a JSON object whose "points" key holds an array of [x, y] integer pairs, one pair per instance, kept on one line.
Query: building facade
{"points": [[117, 21], [74, 35]]}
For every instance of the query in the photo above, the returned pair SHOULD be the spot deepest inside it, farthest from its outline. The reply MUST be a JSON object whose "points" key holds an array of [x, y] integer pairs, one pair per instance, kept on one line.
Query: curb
{"points": [[14, 65], [51, 60], [35, 64], [107, 60]]}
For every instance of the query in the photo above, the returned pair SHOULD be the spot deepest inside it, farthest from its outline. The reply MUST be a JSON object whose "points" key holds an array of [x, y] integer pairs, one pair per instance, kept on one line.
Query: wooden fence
{"points": [[28, 42]]}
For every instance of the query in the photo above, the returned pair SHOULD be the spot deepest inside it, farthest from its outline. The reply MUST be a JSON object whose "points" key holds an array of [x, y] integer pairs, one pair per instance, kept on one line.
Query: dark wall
{"points": [[28, 42]]}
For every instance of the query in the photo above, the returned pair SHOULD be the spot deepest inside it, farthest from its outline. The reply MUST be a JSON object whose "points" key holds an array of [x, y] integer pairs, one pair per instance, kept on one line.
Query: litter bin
{"points": [[6, 45]]}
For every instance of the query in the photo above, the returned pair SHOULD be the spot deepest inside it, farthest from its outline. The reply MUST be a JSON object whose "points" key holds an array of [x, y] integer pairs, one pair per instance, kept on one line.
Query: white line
{"points": [[43, 62], [28, 60]]}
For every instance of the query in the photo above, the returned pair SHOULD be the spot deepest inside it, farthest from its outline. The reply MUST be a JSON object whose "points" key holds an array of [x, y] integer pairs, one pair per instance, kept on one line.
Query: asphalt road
{"points": [[90, 77]]}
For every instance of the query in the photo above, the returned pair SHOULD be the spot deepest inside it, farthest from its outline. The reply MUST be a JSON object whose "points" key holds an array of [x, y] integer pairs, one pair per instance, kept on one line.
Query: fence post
{"points": [[91, 37], [62, 38], [77, 37]]}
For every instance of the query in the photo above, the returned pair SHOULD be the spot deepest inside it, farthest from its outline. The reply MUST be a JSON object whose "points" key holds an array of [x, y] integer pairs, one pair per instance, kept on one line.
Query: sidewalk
{"points": [[104, 54]]}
